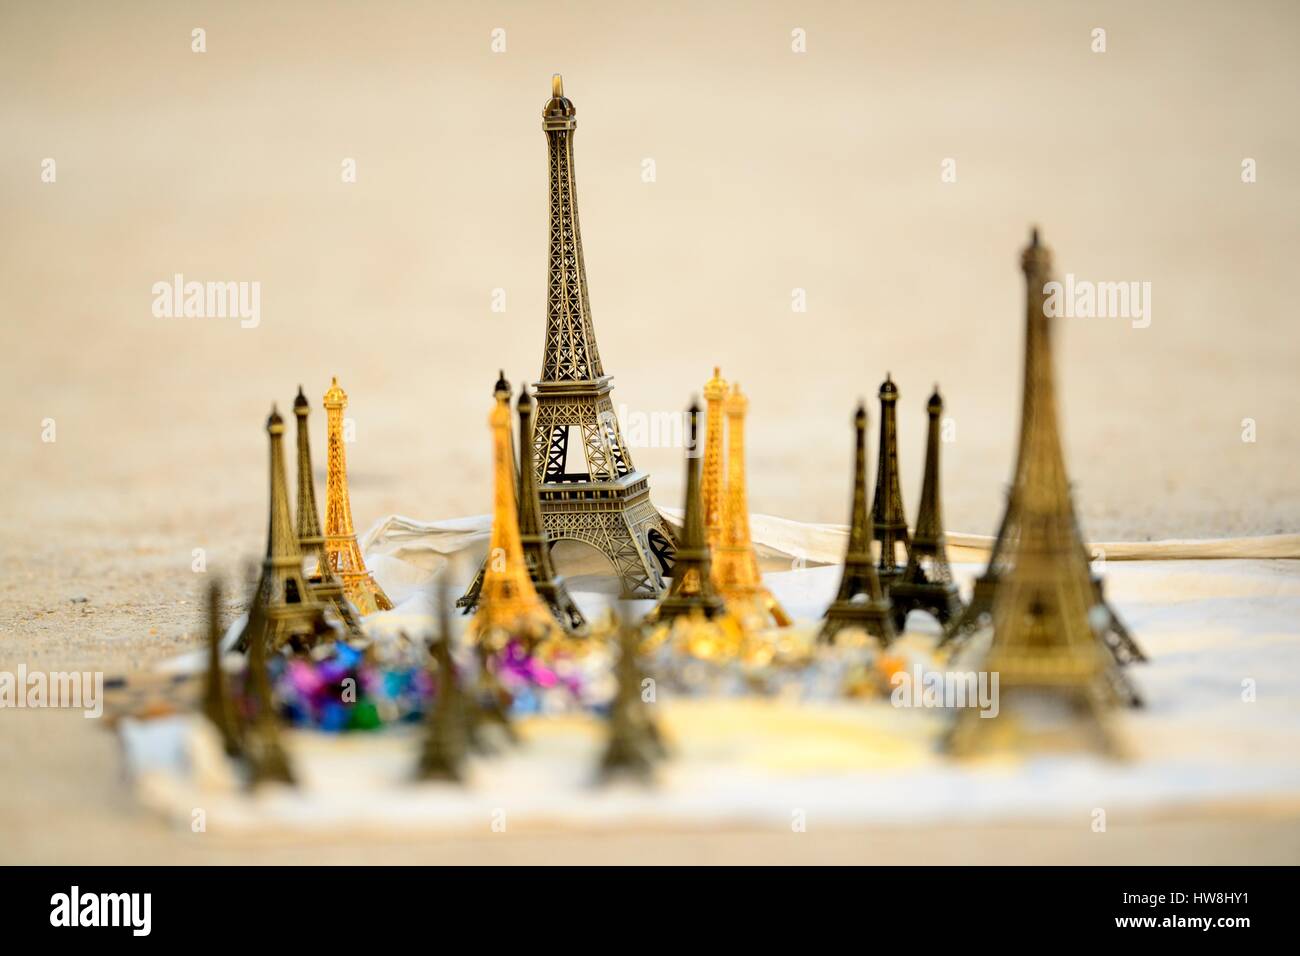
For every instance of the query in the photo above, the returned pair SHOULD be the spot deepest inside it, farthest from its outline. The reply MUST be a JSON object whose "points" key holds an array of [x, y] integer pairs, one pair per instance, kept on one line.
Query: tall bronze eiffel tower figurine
{"points": [[927, 583], [692, 591], [323, 582], [1045, 643], [342, 553], [1116, 636], [860, 601], [290, 612], [590, 493], [888, 519]]}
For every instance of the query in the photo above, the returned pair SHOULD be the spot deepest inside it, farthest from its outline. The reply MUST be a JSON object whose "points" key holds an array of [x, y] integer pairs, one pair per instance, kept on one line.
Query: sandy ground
{"points": [[775, 171]]}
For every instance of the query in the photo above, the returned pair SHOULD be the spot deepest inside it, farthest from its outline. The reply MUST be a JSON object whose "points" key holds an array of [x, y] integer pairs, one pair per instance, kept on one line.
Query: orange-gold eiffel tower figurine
{"points": [[342, 553], [508, 604], [715, 394], [735, 565]]}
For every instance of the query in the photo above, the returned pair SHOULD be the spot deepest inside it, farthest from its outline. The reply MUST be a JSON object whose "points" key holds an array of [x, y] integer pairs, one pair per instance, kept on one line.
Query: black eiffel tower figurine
{"points": [[888, 519], [979, 611], [635, 744], [217, 704], [263, 752], [927, 583], [446, 738], [322, 581], [860, 602], [692, 591], [536, 543]]}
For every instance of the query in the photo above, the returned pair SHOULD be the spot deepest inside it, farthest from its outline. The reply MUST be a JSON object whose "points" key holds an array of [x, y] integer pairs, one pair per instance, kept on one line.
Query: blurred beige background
{"points": [[775, 171]]}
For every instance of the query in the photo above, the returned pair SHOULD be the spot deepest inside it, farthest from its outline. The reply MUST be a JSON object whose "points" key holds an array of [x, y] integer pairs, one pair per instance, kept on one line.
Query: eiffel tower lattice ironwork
{"points": [[289, 611], [604, 501], [888, 518], [323, 582], [979, 611], [860, 601], [927, 584], [692, 591], [342, 554], [1046, 640]]}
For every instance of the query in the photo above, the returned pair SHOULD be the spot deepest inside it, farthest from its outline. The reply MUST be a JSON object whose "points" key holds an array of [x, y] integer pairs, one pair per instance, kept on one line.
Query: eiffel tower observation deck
{"points": [[589, 489]]}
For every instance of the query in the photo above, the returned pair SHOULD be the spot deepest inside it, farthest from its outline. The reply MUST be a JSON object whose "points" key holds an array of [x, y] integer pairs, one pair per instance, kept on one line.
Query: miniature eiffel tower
{"points": [[1116, 636], [291, 613], [550, 586], [927, 583], [342, 553], [603, 501], [635, 744], [860, 601], [469, 600], [508, 603], [888, 519], [692, 591], [446, 738], [715, 394], [263, 752], [1045, 646], [324, 584], [735, 564], [217, 704]]}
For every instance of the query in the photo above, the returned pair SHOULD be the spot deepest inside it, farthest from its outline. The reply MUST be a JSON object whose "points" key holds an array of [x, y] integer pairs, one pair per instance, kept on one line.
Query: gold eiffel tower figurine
{"points": [[323, 582], [691, 592], [979, 611], [508, 603], [267, 762], [860, 601], [736, 565], [469, 600], [888, 519], [1045, 647], [927, 583], [591, 492], [715, 394], [550, 586], [217, 704], [290, 612], [342, 554]]}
